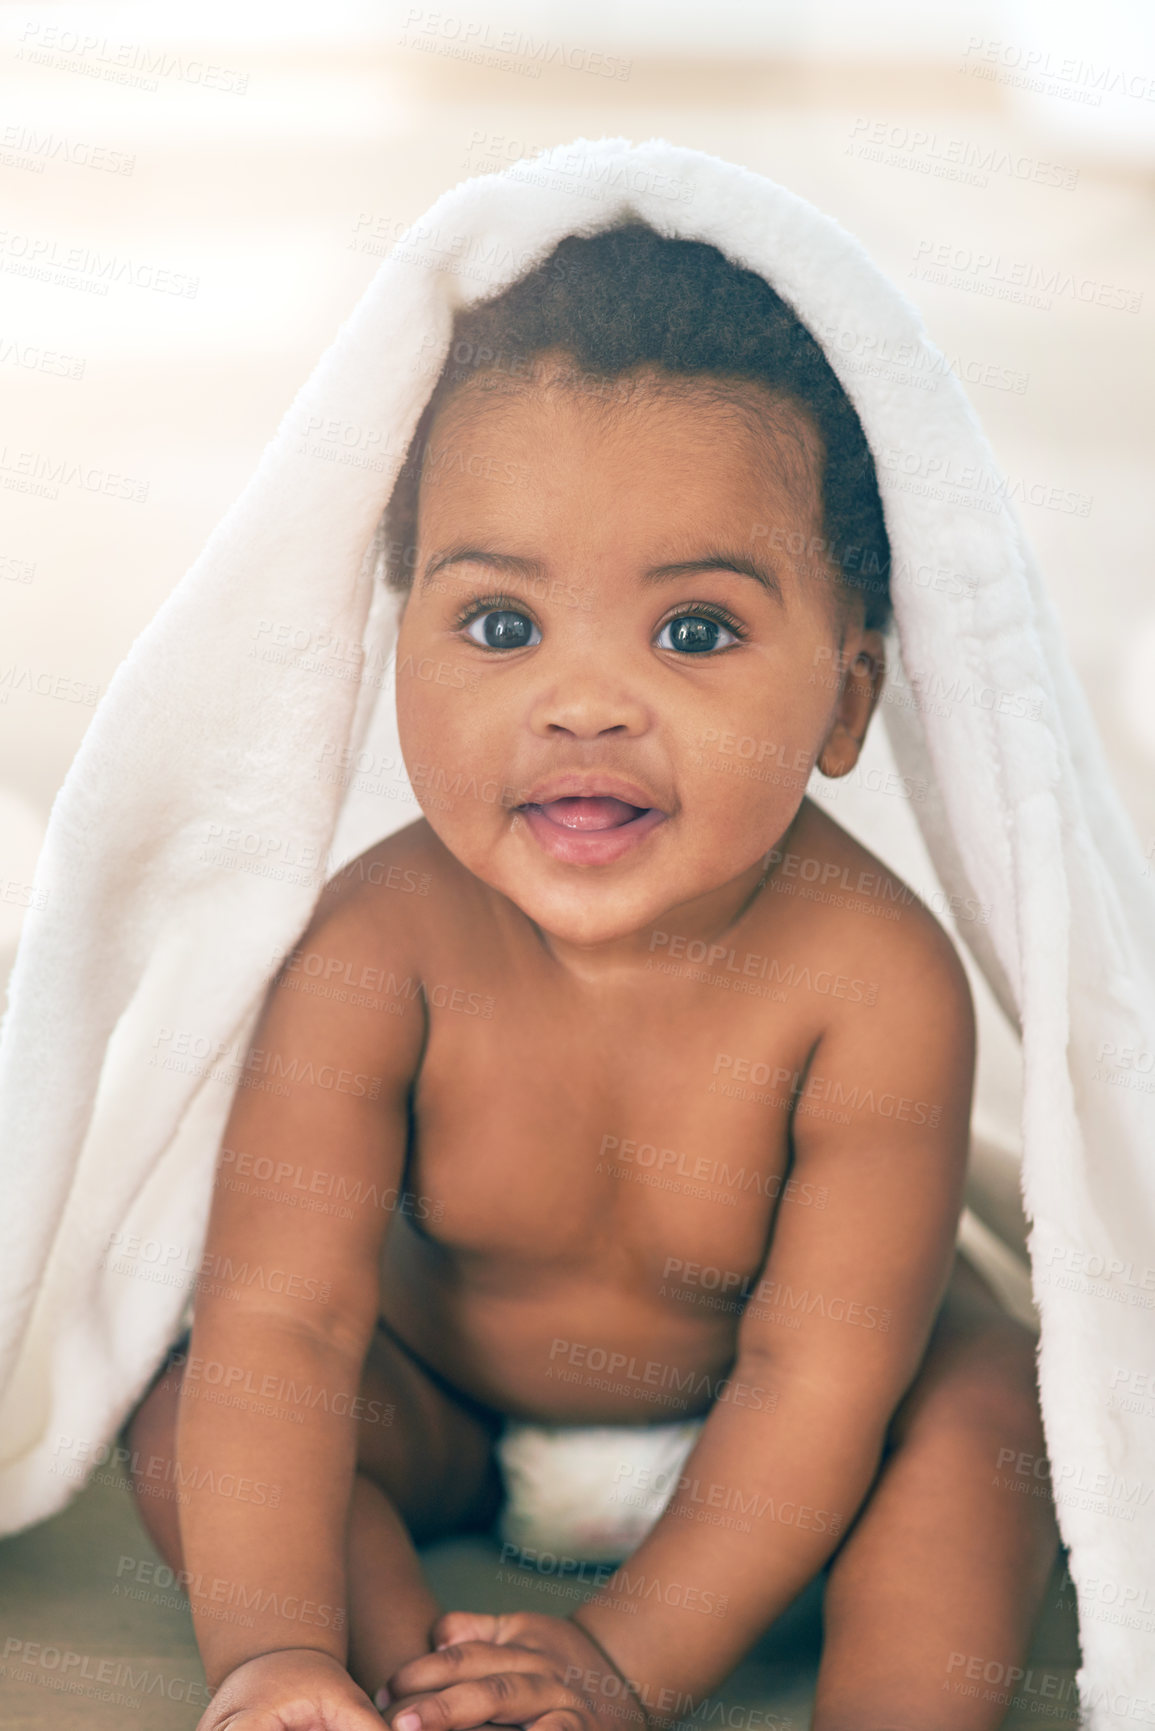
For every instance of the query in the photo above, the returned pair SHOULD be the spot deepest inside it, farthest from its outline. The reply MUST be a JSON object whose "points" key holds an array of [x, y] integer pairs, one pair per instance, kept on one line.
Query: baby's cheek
{"points": [[742, 787], [761, 737], [453, 754], [436, 697]]}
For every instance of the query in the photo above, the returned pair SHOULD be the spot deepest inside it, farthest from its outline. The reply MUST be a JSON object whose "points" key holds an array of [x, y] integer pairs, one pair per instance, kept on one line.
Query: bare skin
{"points": [[491, 1016]]}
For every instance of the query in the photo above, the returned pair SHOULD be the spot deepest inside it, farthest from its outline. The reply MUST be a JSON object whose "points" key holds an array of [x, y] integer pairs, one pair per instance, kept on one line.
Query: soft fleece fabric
{"points": [[189, 843]]}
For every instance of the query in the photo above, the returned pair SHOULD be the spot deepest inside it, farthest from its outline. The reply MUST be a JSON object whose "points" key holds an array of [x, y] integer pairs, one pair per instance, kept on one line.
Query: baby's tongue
{"points": [[601, 812]]}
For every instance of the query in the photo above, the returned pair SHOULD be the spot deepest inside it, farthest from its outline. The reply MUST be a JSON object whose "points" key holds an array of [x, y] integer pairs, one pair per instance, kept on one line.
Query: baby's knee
{"points": [[150, 1430], [1014, 1400], [150, 1443], [981, 1383], [997, 1388], [999, 1373]]}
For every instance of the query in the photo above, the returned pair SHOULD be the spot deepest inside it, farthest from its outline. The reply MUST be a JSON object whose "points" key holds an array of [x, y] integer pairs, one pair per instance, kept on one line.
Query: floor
{"points": [[85, 1597]]}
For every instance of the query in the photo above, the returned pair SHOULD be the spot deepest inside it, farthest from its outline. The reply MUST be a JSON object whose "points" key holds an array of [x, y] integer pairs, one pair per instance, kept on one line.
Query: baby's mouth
{"points": [[595, 811], [589, 829]]}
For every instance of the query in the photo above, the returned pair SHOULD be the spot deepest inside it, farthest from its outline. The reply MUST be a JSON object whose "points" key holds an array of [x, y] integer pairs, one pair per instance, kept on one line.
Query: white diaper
{"points": [[591, 1492]]}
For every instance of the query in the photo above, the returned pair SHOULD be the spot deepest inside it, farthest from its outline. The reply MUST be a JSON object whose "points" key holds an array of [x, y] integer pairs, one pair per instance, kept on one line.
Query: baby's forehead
{"points": [[691, 412]]}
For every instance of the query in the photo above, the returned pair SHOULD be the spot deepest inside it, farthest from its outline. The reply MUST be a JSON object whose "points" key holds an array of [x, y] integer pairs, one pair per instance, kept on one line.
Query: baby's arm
{"points": [[894, 1177], [285, 1309]]}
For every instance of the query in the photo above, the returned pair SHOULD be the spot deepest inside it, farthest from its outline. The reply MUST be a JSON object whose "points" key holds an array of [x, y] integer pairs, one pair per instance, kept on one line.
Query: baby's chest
{"points": [[542, 1133]]}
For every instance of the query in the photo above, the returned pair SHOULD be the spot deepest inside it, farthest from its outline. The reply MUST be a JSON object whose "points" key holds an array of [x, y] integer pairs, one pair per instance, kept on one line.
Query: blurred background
{"points": [[195, 197]]}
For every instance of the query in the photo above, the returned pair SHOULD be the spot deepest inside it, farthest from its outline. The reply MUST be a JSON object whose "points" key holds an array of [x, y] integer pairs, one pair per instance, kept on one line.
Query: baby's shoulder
{"points": [[394, 897], [847, 911]]}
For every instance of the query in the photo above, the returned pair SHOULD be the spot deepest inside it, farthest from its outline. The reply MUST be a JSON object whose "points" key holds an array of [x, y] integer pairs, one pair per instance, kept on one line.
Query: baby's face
{"points": [[612, 682]]}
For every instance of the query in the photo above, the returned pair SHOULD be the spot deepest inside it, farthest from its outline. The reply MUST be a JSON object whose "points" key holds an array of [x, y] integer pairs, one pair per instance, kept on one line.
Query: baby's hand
{"points": [[297, 1689], [509, 1670]]}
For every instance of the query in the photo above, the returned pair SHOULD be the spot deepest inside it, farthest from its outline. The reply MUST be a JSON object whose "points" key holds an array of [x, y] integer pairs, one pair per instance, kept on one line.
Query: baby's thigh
{"points": [[430, 1449]]}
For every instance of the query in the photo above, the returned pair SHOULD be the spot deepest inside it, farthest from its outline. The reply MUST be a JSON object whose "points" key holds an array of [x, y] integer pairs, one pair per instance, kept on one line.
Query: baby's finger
{"points": [[503, 1698], [464, 1626], [460, 1663], [562, 1719], [300, 1716]]}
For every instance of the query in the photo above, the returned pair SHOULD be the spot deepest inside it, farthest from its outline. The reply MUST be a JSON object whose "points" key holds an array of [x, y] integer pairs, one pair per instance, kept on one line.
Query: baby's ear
{"points": [[865, 662]]}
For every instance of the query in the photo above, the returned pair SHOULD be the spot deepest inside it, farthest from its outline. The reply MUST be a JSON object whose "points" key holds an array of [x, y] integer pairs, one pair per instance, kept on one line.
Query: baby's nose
{"points": [[589, 707]]}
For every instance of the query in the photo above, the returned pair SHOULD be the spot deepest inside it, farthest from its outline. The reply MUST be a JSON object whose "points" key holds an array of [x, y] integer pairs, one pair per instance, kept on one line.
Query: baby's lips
{"points": [[600, 811]]}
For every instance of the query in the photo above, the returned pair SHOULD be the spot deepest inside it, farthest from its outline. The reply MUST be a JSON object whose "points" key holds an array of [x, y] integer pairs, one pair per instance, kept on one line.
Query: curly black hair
{"points": [[630, 298]]}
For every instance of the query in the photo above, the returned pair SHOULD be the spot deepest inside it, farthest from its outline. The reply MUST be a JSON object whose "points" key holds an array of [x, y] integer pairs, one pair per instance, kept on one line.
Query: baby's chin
{"points": [[585, 917], [591, 907]]}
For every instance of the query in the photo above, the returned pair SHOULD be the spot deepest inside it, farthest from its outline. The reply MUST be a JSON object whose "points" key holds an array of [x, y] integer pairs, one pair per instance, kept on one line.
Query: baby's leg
{"points": [[425, 1468], [951, 1552]]}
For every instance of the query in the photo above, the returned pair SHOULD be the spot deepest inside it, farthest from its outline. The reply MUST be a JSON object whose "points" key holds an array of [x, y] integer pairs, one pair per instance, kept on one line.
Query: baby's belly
{"points": [[566, 1350]]}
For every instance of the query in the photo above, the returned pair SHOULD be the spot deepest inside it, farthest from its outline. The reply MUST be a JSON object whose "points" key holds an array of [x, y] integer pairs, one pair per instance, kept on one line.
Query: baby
{"points": [[645, 572]]}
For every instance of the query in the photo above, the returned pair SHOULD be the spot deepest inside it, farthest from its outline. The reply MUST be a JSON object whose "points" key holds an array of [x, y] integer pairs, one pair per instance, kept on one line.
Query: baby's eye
{"points": [[501, 628], [695, 634]]}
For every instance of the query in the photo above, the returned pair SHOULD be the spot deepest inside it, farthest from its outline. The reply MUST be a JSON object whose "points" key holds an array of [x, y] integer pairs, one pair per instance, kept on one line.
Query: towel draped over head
{"points": [[247, 746]]}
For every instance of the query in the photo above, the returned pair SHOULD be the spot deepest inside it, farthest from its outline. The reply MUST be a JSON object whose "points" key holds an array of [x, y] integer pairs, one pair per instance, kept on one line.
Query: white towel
{"points": [[223, 741]]}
